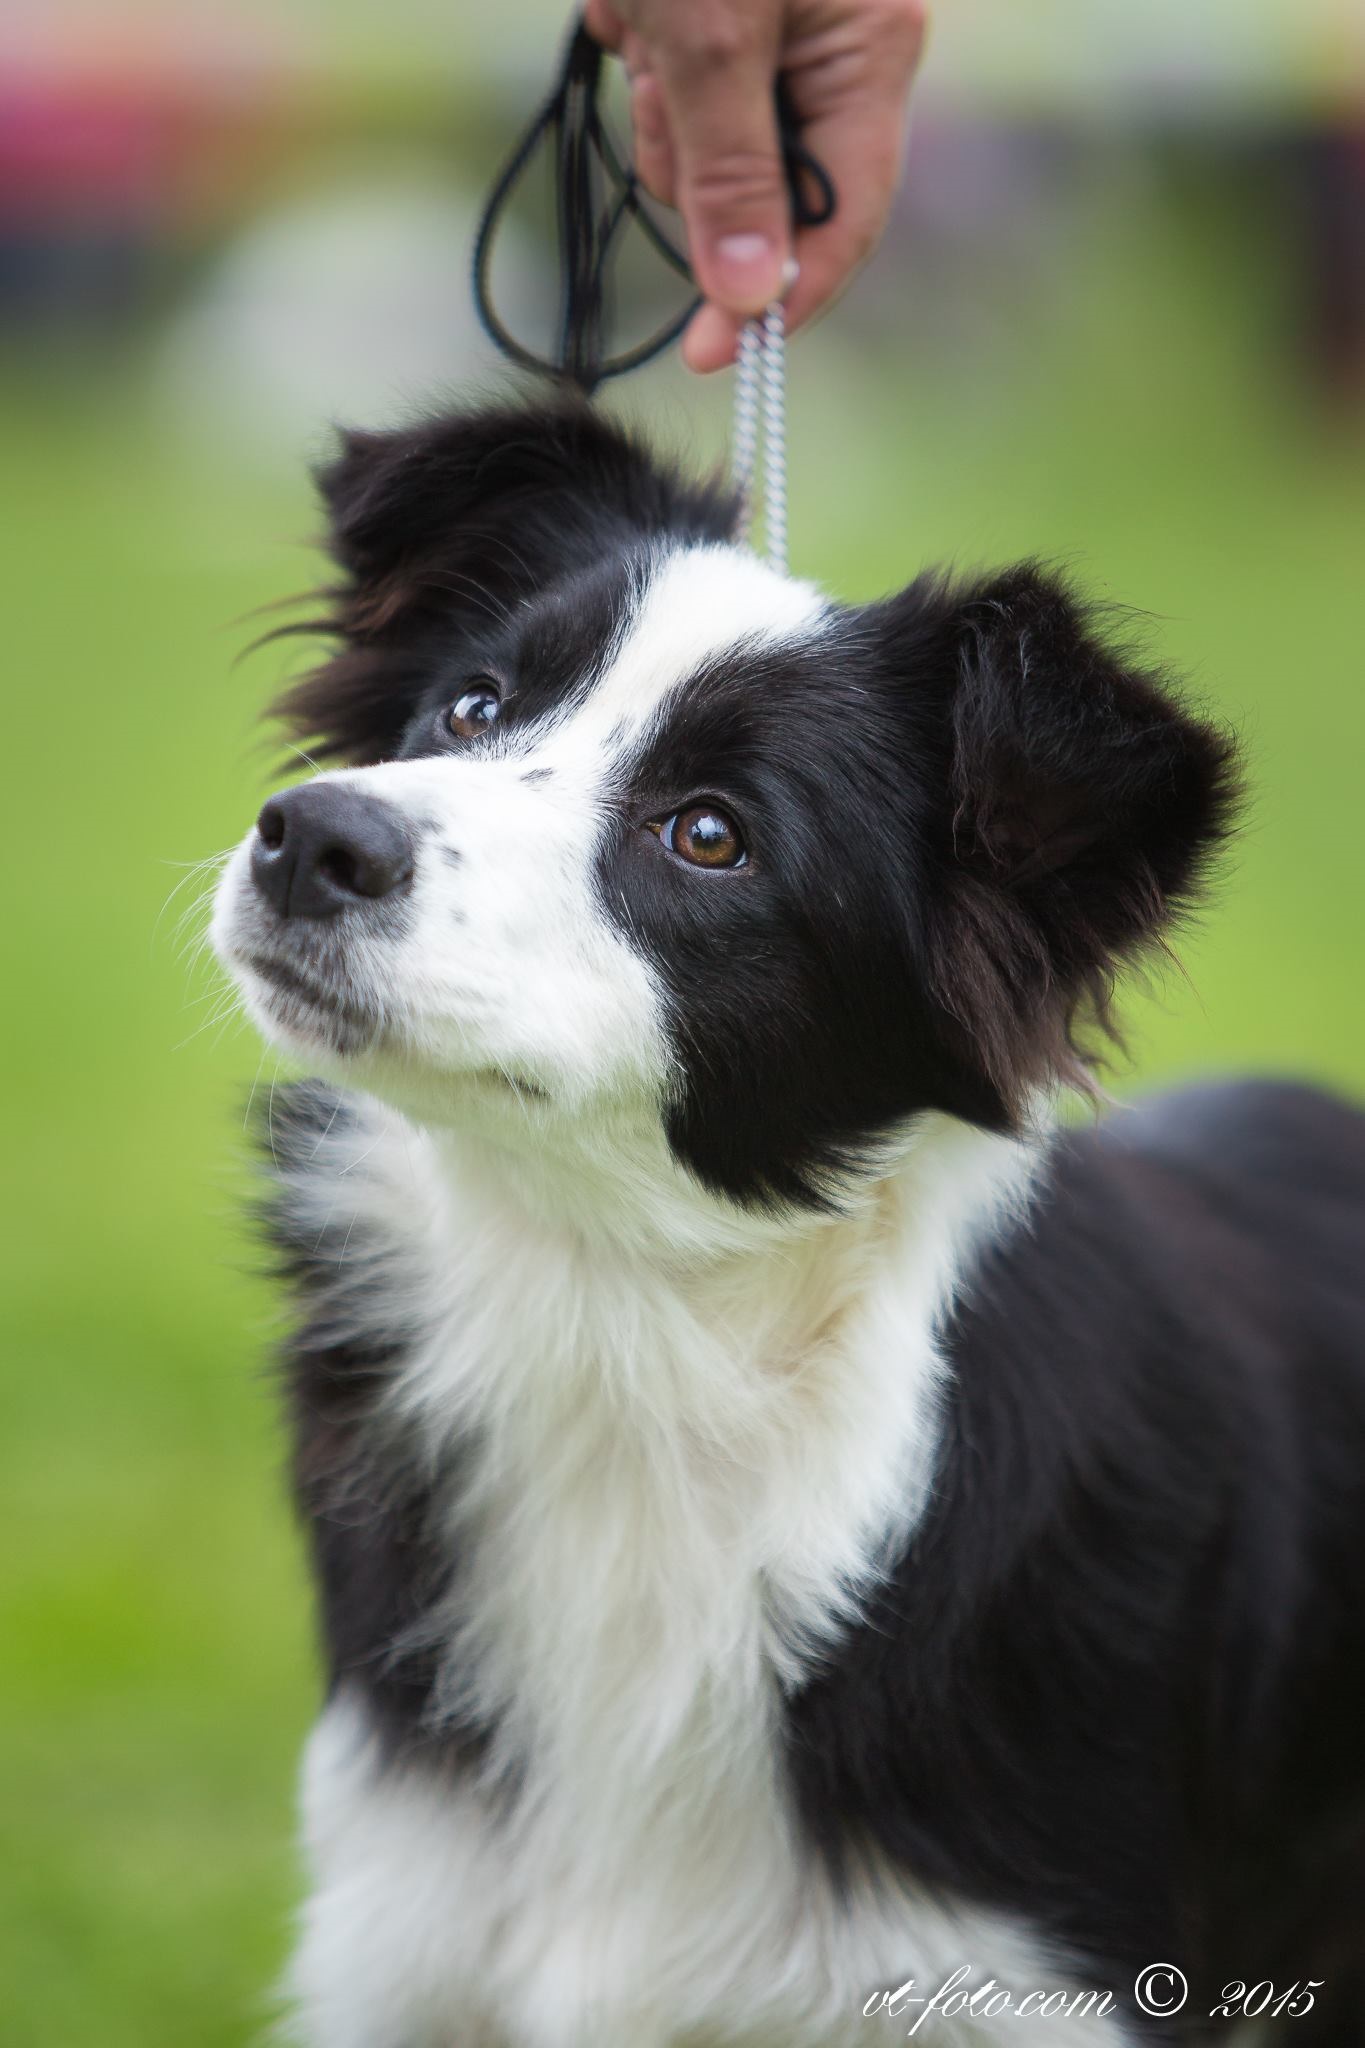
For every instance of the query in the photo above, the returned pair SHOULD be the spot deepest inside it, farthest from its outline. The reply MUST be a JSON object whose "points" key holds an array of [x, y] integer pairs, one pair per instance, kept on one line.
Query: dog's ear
{"points": [[1079, 807], [441, 527]]}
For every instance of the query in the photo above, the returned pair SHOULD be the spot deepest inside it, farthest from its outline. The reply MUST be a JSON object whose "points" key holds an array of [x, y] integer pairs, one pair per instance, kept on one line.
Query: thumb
{"points": [[717, 86]]}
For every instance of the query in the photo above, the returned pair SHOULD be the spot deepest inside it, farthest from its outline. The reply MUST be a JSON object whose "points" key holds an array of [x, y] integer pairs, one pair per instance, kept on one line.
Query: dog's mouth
{"points": [[306, 1004]]}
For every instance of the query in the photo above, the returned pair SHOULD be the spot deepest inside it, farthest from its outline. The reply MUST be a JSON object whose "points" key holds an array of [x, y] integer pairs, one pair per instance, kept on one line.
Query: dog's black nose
{"points": [[323, 847]]}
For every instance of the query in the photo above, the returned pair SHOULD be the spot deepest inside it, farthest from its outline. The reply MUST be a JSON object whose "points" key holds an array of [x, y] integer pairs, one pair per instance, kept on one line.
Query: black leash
{"points": [[597, 195]]}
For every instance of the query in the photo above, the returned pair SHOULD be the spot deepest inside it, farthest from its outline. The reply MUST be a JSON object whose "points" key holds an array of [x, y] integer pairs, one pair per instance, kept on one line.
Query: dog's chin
{"points": [[337, 1032], [301, 1013]]}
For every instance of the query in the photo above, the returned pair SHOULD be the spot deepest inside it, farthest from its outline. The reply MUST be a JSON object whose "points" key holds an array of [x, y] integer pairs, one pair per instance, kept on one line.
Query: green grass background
{"points": [[1136, 416]]}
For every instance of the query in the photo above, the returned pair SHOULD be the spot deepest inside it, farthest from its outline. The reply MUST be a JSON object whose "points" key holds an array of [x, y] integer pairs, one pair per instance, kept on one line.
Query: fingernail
{"points": [[791, 270], [749, 267]]}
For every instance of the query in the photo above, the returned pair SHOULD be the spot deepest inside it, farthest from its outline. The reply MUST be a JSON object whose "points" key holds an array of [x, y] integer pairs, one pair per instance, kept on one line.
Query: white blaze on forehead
{"points": [[696, 605]]}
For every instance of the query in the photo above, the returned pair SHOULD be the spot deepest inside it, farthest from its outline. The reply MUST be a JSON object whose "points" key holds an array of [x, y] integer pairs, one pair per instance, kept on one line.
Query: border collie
{"points": [[796, 1527]]}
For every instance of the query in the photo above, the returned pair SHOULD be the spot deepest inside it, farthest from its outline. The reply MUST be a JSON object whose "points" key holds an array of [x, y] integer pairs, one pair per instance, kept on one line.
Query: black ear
{"points": [[1081, 810], [447, 524]]}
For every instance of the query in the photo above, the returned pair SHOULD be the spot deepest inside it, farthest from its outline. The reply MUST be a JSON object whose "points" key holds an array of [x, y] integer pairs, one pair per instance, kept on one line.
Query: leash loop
{"points": [[597, 196]]}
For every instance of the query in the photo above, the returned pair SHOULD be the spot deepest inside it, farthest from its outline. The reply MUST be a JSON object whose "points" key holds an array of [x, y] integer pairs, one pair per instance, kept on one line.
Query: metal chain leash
{"points": [[760, 416]]}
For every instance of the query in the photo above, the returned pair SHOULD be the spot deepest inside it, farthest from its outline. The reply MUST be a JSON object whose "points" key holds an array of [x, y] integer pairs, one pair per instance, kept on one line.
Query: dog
{"points": [[805, 1537]]}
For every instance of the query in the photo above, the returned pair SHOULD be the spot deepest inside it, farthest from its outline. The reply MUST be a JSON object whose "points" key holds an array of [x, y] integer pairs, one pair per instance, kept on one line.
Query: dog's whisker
{"points": [[210, 864], [228, 1009], [326, 1130]]}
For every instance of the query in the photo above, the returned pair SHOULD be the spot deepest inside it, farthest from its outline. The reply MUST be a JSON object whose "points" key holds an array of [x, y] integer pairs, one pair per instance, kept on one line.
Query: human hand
{"points": [[702, 80]]}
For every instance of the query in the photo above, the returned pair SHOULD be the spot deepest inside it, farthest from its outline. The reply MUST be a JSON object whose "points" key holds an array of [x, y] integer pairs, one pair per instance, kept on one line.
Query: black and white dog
{"points": [[788, 1519]]}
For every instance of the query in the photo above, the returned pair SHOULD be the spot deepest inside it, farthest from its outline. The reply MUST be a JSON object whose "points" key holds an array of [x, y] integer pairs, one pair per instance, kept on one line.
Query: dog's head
{"points": [[631, 827]]}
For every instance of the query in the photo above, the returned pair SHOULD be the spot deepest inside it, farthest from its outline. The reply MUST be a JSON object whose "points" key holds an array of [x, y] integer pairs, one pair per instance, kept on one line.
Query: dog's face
{"points": [[640, 832]]}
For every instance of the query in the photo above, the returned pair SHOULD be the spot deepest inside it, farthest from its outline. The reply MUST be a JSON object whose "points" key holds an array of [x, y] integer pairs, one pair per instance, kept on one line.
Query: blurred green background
{"points": [[1118, 321]]}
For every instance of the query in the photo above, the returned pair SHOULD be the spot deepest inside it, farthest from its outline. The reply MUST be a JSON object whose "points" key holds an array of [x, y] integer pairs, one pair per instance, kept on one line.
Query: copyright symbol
{"points": [[1161, 1989]]}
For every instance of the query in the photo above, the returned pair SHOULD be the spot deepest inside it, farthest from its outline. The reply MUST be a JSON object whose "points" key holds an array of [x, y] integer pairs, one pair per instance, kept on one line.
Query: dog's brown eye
{"points": [[475, 711], [705, 836]]}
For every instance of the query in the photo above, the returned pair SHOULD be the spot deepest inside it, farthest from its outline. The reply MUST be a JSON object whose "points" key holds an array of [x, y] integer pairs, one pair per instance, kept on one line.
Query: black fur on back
{"points": [[1119, 1672]]}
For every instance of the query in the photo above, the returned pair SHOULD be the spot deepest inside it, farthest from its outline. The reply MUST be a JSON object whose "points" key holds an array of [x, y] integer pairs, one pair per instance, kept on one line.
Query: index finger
{"points": [[852, 90]]}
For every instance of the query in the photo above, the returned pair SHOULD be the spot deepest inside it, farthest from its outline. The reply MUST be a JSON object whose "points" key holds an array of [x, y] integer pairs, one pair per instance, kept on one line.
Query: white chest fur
{"points": [[678, 1473]]}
